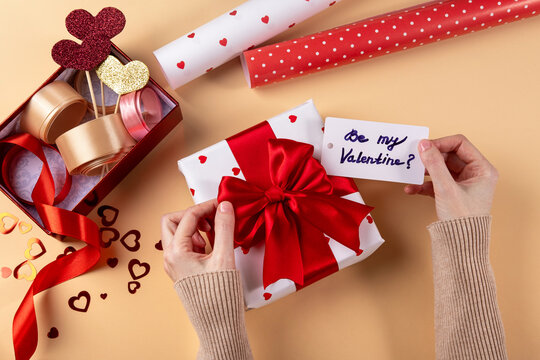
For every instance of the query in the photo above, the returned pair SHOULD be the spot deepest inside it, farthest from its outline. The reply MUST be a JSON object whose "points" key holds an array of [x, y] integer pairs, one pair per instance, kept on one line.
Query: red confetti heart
{"points": [[235, 171], [6, 272], [103, 296], [332, 3], [112, 262], [181, 65], [67, 251], [79, 307], [53, 333], [369, 219], [209, 69], [133, 267], [86, 56], [192, 191], [191, 36], [109, 22], [223, 42], [267, 296], [202, 159], [265, 19], [113, 212], [136, 237], [159, 245], [290, 26], [232, 13], [133, 286], [293, 118]]}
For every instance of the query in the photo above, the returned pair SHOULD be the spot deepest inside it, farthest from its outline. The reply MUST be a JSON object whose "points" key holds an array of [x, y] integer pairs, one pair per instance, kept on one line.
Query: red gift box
{"points": [[172, 116]]}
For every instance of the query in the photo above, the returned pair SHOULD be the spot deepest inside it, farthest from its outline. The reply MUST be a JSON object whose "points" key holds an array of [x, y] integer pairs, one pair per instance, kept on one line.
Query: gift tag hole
{"points": [[330, 145]]}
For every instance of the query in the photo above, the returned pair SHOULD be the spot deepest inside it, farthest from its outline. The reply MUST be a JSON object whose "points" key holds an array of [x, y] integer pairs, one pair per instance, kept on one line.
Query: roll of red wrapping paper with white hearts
{"points": [[380, 35]]}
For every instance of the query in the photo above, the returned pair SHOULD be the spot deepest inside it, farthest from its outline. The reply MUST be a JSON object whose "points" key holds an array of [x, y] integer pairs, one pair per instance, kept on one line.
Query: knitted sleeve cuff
{"points": [[214, 304]]}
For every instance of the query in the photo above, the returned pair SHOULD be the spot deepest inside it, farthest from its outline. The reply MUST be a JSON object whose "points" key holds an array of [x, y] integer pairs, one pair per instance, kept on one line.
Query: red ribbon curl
{"points": [[292, 213], [59, 221]]}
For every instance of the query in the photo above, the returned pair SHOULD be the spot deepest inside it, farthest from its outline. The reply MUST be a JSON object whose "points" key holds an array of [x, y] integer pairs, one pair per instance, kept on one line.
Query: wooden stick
{"points": [[102, 99], [89, 79], [117, 103]]}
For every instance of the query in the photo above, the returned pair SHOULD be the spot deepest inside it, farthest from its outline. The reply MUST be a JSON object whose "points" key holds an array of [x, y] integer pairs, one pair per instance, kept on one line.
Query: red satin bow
{"points": [[293, 215], [61, 222]]}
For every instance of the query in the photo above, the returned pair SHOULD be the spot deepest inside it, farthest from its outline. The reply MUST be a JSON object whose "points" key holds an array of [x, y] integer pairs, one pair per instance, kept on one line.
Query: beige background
{"points": [[485, 85]]}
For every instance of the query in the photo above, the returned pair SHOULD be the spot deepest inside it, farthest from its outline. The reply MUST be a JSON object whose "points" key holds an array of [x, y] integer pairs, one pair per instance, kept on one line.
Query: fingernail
{"points": [[226, 207], [425, 145]]}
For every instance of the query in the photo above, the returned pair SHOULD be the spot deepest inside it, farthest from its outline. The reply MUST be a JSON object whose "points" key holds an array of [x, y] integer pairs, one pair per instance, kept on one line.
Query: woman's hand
{"points": [[183, 244], [462, 179]]}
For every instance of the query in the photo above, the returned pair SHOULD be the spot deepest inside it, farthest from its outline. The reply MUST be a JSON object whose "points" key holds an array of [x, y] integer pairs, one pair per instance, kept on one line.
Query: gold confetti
{"points": [[123, 79]]}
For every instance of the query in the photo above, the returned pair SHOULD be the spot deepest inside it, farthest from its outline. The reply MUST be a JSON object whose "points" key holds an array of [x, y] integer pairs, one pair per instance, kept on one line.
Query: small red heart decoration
{"points": [[159, 245], [235, 171], [322, 129], [202, 159], [86, 56], [133, 286], [223, 42], [209, 69], [369, 219], [136, 237], [267, 296], [265, 19], [290, 26], [103, 296], [53, 333], [293, 118], [6, 272], [232, 13], [133, 264], [181, 65], [332, 3], [192, 191], [251, 47], [79, 307], [112, 262], [191, 36]]}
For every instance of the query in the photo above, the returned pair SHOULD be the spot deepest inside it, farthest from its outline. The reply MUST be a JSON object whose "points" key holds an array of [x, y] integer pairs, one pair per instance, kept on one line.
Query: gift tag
{"points": [[373, 150]]}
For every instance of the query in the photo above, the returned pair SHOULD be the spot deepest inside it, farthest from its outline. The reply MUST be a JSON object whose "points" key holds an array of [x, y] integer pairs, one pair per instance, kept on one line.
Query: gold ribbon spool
{"points": [[53, 110], [90, 146]]}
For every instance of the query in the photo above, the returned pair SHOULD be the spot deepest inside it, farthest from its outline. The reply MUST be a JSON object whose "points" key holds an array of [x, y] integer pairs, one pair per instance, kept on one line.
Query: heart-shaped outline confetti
{"points": [[123, 79], [6, 230]]}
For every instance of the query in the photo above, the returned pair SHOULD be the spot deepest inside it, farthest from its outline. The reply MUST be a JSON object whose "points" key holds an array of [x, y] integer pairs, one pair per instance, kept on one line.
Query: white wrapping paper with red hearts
{"points": [[380, 35], [204, 170], [225, 37]]}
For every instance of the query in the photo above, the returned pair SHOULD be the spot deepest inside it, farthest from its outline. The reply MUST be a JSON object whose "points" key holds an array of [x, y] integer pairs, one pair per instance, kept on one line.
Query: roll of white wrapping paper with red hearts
{"points": [[204, 170], [380, 35], [249, 24]]}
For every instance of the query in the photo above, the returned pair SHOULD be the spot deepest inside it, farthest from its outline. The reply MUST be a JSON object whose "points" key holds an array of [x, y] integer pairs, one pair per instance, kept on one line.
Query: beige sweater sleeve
{"points": [[467, 320], [215, 306]]}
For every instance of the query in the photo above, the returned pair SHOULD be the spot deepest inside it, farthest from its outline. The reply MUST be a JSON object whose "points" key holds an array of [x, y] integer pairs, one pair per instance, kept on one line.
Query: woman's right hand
{"points": [[462, 179]]}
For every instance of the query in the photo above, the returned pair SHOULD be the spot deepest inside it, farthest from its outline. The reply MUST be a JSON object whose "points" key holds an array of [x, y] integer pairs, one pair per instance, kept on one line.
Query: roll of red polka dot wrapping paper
{"points": [[380, 35]]}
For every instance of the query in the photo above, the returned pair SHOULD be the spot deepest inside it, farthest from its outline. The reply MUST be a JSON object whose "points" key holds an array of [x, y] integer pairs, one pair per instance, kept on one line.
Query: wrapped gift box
{"points": [[87, 191], [204, 170]]}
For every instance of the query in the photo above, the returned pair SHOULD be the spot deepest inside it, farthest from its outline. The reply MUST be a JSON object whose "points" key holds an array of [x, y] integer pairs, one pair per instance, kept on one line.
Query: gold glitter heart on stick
{"points": [[123, 79]]}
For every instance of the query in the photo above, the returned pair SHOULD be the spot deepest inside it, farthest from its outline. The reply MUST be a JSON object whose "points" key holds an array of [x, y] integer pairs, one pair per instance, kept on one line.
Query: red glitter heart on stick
{"points": [[86, 56], [108, 23]]}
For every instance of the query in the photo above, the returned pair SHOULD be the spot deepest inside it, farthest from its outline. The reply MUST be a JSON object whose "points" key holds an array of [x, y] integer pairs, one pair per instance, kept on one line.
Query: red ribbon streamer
{"points": [[61, 222], [290, 203], [380, 35]]}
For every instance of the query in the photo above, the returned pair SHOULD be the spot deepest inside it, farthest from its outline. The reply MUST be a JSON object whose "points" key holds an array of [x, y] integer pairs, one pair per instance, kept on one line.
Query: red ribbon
{"points": [[59, 221], [290, 206]]}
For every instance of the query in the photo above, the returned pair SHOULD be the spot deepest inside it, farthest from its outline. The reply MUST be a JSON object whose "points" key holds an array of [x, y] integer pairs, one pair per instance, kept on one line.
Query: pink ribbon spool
{"points": [[141, 111]]}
